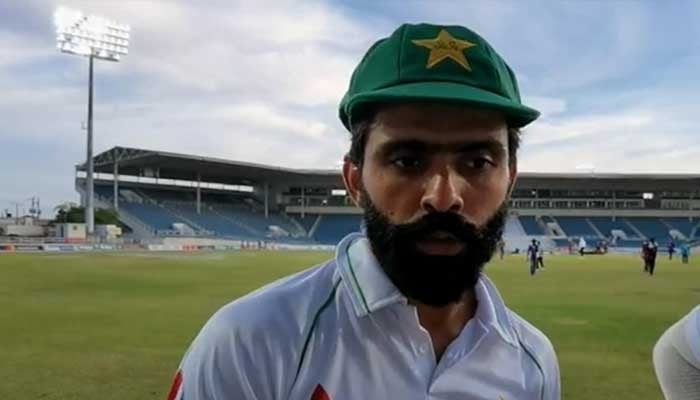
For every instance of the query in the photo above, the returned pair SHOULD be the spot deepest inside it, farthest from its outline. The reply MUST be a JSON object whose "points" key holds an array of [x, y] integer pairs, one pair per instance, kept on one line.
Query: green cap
{"points": [[437, 64]]}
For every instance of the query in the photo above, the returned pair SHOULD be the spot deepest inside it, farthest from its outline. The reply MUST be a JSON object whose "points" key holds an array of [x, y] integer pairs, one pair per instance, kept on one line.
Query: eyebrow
{"points": [[492, 146]]}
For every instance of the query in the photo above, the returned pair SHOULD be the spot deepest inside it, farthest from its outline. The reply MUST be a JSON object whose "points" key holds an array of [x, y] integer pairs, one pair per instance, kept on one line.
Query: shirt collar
{"points": [[371, 290]]}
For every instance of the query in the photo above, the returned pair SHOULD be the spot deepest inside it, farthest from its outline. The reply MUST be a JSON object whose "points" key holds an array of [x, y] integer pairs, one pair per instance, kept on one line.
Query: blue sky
{"points": [[617, 82]]}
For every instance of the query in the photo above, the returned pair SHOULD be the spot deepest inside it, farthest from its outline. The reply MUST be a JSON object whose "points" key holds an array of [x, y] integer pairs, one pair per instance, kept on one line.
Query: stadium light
{"points": [[96, 38]]}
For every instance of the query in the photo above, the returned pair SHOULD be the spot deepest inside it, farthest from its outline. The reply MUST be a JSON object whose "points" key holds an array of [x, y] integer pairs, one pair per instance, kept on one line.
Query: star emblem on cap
{"points": [[445, 46]]}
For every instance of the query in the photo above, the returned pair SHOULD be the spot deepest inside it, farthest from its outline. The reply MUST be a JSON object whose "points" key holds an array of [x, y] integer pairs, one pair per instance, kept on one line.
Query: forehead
{"points": [[437, 123]]}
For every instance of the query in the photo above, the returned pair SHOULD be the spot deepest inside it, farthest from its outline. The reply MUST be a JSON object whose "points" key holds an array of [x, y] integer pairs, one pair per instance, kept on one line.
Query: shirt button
{"points": [[423, 349]]}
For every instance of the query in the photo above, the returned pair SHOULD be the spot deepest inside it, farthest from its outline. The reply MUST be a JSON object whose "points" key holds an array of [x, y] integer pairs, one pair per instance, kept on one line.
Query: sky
{"points": [[260, 81]]}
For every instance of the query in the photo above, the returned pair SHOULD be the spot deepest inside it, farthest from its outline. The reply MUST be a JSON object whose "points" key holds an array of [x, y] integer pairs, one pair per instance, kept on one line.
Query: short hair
{"points": [[363, 122]]}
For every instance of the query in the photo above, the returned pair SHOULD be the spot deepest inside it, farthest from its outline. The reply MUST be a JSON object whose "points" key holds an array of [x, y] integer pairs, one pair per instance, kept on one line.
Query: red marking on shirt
{"points": [[177, 382], [320, 394]]}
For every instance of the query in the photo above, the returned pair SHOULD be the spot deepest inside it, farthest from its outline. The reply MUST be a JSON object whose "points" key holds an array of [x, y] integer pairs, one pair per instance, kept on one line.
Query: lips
{"points": [[440, 243], [441, 236]]}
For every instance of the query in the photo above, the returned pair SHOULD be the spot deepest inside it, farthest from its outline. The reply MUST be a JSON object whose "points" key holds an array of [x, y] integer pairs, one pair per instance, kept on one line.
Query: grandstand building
{"points": [[167, 195]]}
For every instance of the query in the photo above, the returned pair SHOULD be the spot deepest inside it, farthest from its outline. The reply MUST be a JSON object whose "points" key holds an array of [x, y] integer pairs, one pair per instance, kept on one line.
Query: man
{"points": [[532, 250], [685, 252], [540, 255], [645, 254], [502, 248], [652, 251], [677, 359], [403, 311], [671, 249], [581, 246]]}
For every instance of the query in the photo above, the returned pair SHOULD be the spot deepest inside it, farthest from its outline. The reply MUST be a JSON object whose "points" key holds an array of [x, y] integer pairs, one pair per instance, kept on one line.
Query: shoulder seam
{"points": [[310, 331], [517, 326], [356, 283]]}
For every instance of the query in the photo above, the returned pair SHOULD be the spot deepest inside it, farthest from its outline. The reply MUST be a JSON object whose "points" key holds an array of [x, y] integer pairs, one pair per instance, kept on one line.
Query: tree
{"points": [[73, 213], [63, 210], [106, 216]]}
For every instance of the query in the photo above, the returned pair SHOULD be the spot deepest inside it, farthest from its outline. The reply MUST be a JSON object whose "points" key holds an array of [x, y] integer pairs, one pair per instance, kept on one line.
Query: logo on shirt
{"points": [[320, 393]]}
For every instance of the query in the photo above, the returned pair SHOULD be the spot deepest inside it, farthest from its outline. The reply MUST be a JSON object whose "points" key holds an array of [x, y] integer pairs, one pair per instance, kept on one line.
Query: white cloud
{"points": [[588, 127], [16, 49], [260, 81], [547, 106], [259, 117], [636, 139]]}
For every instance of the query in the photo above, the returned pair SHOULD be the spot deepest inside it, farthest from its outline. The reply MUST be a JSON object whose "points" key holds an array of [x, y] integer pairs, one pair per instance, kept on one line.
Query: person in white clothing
{"points": [[581, 246], [403, 310], [677, 359]]}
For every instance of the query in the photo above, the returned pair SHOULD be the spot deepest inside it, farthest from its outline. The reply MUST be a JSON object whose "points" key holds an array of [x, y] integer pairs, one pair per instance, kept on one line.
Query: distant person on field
{"points": [[403, 310], [581, 246], [532, 251], [502, 247], [671, 249], [644, 253], [540, 255], [677, 359], [685, 252], [650, 256]]}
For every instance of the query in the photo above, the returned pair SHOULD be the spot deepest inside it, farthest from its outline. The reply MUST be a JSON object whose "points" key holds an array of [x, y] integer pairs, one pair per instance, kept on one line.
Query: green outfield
{"points": [[114, 326]]}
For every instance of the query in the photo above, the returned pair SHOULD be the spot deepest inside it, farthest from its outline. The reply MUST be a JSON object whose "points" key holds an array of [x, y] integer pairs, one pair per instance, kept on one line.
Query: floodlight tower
{"points": [[96, 38]]}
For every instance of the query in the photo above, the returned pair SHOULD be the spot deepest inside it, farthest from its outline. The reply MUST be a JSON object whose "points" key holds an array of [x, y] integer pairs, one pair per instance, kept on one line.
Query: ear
{"points": [[352, 177], [513, 173]]}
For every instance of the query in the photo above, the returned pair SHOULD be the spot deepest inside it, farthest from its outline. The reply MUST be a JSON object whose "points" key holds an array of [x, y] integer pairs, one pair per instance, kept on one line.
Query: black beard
{"points": [[434, 280]]}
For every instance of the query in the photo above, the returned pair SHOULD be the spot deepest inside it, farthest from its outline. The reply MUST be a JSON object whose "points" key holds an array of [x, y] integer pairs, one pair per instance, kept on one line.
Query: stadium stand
{"points": [[332, 228], [606, 226], [153, 215], [683, 225], [307, 222], [650, 228], [243, 201], [577, 227], [220, 215], [531, 226]]}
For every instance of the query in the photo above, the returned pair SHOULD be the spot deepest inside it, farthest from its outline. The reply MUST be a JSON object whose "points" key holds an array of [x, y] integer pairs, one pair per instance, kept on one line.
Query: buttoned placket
{"points": [[421, 345]]}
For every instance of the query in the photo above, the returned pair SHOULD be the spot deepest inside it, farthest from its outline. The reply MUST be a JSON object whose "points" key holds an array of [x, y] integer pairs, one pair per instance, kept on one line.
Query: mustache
{"points": [[448, 222]]}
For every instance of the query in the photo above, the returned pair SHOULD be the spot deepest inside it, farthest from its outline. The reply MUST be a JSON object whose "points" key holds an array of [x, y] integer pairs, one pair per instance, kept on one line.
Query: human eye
{"points": [[479, 162], [407, 162]]}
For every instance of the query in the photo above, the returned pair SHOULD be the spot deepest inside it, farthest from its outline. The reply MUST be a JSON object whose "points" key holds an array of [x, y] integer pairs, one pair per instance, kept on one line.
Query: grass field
{"points": [[114, 326]]}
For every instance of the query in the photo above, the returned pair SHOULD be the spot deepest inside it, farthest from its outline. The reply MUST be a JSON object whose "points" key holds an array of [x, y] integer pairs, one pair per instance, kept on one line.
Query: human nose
{"points": [[443, 192]]}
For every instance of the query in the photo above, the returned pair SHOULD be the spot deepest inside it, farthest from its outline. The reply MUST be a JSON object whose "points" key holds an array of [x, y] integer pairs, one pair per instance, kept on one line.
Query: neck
{"points": [[445, 323]]}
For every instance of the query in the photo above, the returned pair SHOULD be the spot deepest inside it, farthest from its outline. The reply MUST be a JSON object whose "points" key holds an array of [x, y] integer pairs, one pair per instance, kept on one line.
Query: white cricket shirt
{"points": [[691, 329], [342, 331]]}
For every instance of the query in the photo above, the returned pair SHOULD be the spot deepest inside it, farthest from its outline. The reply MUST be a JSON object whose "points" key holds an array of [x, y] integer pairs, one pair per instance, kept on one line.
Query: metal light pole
{"points": [[93, 37]]}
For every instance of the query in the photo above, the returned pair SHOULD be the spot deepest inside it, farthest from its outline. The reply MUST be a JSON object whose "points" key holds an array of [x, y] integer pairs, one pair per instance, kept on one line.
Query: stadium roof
{"points": [[162, 164], [167, 165]]}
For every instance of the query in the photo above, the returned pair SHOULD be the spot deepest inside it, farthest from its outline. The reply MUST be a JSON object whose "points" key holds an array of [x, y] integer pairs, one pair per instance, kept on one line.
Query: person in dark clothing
{"points": [[532, 251], [671, 249], [652, 250], [645, 255]]}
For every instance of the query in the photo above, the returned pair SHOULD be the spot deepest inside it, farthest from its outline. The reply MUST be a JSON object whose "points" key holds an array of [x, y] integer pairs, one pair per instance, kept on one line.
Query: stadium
{"points": [[173, 199], [177, 201], [103, 297], [197, 232]]}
